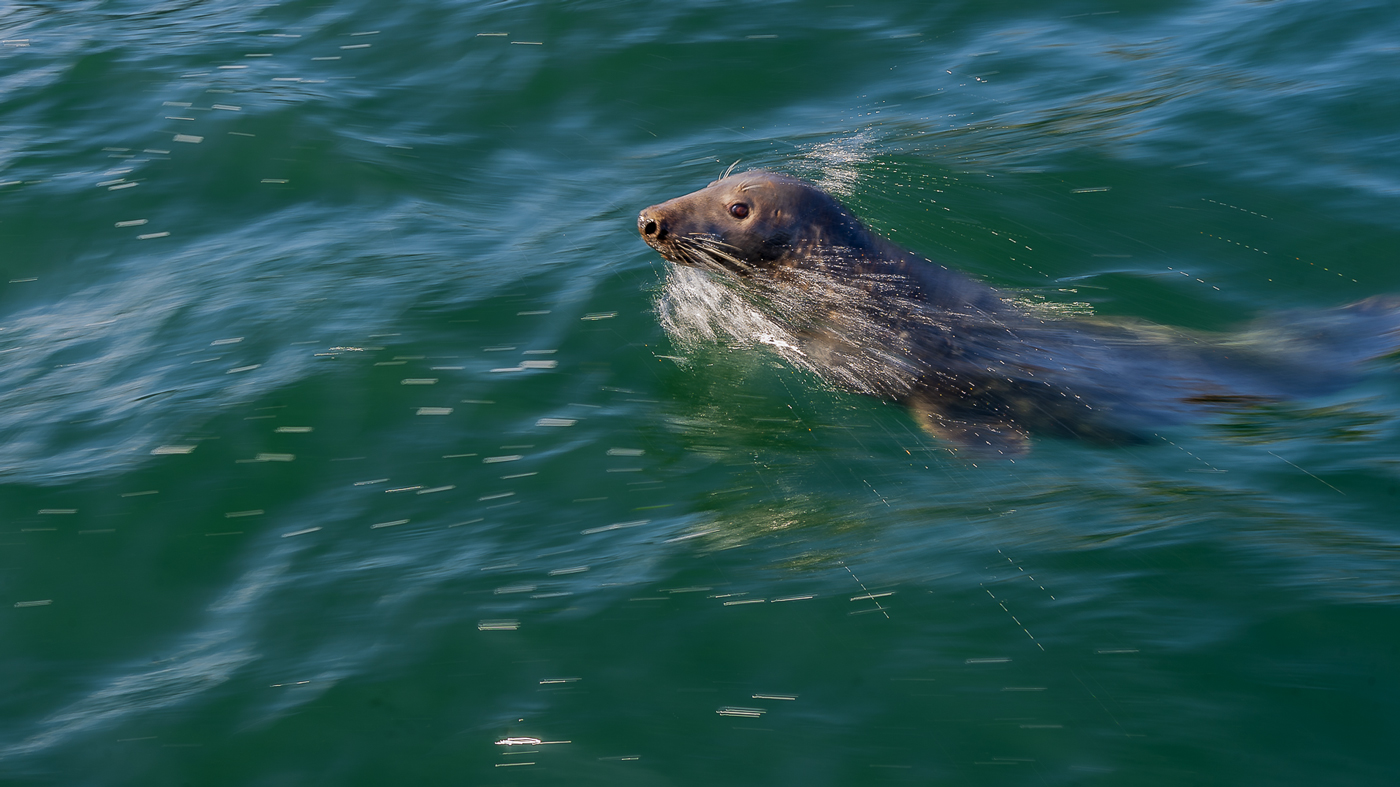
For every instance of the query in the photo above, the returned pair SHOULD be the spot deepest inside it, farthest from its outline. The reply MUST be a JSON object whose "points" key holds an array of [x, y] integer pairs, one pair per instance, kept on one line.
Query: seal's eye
{"points": [[739, 210]]}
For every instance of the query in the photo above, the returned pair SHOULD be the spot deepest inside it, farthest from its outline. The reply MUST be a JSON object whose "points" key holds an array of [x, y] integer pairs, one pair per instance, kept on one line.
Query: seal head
{"points": [[748, 221]]}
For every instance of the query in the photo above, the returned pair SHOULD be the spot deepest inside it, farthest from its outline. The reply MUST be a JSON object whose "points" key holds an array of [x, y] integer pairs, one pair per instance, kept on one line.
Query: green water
{"points": [[340, 443]]}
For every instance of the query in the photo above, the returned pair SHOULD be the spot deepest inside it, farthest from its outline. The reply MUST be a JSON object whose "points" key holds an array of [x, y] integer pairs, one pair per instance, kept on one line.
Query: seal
{"points": [[975, 368]]}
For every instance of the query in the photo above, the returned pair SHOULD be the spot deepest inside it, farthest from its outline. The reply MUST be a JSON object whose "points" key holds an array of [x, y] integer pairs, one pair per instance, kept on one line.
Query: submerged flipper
{"points": [[979, 436]]}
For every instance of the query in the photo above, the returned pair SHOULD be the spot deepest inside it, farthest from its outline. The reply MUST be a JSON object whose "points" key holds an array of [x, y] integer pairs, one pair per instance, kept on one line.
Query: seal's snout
{"points": [[652, 226]]}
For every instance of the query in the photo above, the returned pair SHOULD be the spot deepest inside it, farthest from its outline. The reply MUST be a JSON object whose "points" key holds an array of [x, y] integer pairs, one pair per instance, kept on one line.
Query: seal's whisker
{"points": [[693, 254], [701, 253], [706, 261], [711, 247], [717, 242]]}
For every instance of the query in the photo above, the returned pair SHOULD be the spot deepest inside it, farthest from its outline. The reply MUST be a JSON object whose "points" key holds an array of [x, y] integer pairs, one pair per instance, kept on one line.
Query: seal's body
{"points": [[977, 370]]}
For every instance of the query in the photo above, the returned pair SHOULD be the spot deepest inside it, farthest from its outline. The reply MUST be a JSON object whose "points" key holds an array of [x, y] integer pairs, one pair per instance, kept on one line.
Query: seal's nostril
{"points": [[652, 226]]}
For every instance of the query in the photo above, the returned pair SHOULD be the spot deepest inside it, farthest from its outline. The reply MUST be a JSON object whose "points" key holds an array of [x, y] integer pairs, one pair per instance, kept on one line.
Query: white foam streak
{"points": [[696, 309], [847, 336]]}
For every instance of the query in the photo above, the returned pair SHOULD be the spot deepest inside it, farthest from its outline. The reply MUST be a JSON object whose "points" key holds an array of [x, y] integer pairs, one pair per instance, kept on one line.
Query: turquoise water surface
{"points": [[340, 442]]}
